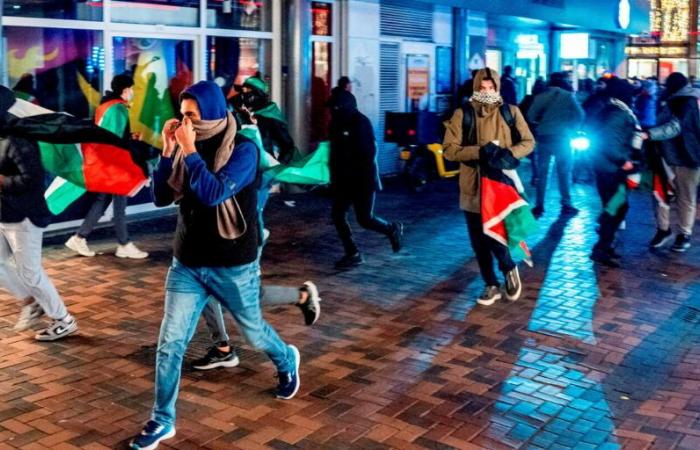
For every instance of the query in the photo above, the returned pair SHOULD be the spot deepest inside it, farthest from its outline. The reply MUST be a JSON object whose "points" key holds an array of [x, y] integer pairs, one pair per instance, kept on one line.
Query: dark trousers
{"points": [[363, 202], [608, 185], [485, 248], [559, 148]]}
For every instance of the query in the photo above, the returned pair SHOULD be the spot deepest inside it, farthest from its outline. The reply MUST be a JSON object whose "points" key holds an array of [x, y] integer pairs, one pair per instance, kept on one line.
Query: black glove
{"points": [[496, 157]]}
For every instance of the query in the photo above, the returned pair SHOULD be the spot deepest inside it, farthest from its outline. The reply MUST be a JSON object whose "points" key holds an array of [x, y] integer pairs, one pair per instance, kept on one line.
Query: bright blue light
{"points": [[580, 143]]}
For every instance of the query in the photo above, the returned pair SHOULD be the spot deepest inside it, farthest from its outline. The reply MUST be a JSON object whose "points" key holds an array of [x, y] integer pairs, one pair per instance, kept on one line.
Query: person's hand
{"points": [[645, 135], [168, 135], [136, 136], [185, 136], [628, 166]]}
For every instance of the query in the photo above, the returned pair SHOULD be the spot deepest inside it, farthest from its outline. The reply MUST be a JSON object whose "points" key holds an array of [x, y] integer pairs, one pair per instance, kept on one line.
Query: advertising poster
{"points": [[417, 79]]}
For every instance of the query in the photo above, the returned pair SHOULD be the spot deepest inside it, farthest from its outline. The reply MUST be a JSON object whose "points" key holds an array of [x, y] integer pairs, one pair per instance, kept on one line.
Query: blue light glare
{"points": [[580, 143]]}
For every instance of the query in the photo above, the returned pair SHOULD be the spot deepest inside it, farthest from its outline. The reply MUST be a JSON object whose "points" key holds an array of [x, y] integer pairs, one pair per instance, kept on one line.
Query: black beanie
{"points": [[675, 82], [620, 89], [121, 82]]}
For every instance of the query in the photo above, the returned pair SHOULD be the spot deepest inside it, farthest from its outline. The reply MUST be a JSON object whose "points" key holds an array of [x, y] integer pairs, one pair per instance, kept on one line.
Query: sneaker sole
{"points": [[665, 241], [515, 297], [57, 337], [296, 371], [314, 298], [154, 445], [232, 363], [119, 255], [489, 301], [680, 250], [87, 255]]}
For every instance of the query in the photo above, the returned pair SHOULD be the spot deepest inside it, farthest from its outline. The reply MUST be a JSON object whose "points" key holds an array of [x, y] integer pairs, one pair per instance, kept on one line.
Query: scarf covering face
{"points": [[229, 217], [487, 98]]}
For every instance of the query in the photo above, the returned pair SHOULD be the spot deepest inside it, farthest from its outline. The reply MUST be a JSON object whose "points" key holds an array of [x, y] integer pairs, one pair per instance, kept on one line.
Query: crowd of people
{"points": [[210, 166]]}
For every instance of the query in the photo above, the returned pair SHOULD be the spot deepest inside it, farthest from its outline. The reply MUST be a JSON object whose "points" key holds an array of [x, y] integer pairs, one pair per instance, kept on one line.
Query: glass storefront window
{"points": [[56, 68], [641, 68], [253, 15], [162, 69], [321, 19], [321, 73], [156, 12], [54, 9], [231, 60]]}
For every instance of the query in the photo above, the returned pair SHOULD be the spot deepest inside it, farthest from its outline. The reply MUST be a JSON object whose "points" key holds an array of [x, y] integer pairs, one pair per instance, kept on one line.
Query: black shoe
{"points": [[513, 285], [568, 210], [216, 358], [311, 308], [396, 236], [661, 238], [605, 259], [682, 243], [613, 254], [537, 211], [349, 261], [489, 296]]}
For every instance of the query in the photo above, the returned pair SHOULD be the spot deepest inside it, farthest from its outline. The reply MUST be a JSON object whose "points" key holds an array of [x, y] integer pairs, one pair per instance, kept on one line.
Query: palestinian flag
{"points": [[82, 156], [662, 180], [505, 213]]}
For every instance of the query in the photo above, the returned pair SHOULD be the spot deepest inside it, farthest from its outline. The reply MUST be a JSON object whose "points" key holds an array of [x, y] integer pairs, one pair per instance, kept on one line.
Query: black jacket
{"points": [[22, 187], [274, 132], [679, 129], [353, 160], [613, 130]]}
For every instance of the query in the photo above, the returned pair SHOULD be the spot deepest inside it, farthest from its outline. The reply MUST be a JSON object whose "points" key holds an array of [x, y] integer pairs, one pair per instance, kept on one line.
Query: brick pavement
{"points": [[401, 358]]}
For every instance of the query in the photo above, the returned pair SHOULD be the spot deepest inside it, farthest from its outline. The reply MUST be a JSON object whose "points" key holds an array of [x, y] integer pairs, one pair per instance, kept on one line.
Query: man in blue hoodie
{"points": [[211, 172]]}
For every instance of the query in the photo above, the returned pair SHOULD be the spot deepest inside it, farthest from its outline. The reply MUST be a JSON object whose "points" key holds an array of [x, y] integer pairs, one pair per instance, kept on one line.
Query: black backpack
{"points": [[469, 124]]}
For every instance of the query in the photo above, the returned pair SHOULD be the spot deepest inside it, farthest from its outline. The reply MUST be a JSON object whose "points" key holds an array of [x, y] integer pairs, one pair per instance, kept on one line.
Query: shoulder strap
{"points": [[468, 125], [507, 115]]}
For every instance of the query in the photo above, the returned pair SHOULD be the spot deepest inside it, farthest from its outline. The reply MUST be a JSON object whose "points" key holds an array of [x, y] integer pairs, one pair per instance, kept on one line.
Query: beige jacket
{"points": [[490, 126]]}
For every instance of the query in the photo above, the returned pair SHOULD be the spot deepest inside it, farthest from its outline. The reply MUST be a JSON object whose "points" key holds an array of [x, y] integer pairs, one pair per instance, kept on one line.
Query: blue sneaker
{"points": [[151, 435], [289, 381]]}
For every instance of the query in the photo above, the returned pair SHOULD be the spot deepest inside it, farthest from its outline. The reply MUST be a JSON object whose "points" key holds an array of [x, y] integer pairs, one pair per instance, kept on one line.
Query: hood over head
{"points": [[487, 74], [209, 98]]}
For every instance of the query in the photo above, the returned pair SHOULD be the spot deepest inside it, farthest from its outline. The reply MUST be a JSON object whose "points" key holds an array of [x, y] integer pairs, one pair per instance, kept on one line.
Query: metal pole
{"points": [[299, 68]]}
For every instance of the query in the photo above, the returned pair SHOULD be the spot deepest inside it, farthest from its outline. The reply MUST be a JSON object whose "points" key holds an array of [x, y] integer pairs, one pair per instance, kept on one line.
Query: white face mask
{"points": [[129, 96]]}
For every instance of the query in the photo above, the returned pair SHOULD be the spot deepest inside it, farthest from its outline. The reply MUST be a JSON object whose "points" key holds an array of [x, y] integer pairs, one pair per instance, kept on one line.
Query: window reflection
{"points": [[231, 60], [54, 9], [160, 12], [162, 69], [56, 68], [240, 14]]}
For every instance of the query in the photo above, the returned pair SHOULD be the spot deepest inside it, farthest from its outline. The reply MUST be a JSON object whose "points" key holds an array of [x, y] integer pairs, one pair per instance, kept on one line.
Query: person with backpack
{"points": [[482, 127], [679, 132]]}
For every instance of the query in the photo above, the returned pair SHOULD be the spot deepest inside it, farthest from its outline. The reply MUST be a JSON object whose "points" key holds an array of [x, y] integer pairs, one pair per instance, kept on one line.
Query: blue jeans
{"points": [[186, 292]]}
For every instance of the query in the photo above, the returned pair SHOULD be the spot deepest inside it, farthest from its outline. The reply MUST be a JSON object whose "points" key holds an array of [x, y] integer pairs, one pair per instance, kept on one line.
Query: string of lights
{"points": [[670, 19]]}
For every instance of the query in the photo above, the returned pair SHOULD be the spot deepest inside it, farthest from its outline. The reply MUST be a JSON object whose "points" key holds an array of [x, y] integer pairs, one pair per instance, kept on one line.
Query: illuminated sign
{"points": [[624, 10], [574, 46]]}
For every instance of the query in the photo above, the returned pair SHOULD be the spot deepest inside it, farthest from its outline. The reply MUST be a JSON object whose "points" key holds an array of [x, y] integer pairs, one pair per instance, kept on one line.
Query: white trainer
{"points": [[130, 251], [79, 246]]}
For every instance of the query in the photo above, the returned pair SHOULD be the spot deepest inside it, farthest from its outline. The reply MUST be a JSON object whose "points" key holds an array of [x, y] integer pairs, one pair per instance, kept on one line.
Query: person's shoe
{"points": [[265, 235], [514, 287], [537, 211], [605, 259], [568, 210], [29, 316], [682, 243], [348, 261], [131, 251], [396, 236], [289, 381], [79, 246], [58, 329], [311, 308], [489, 296], [661, 238], [216, 358], [613, 254], [151, 435]]}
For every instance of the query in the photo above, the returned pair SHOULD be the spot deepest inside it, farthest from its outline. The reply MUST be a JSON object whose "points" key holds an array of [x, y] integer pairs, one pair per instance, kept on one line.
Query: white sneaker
{"points": [[28, 316], [79, 245], [130, 251], [58, 329], [266, 235]]}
